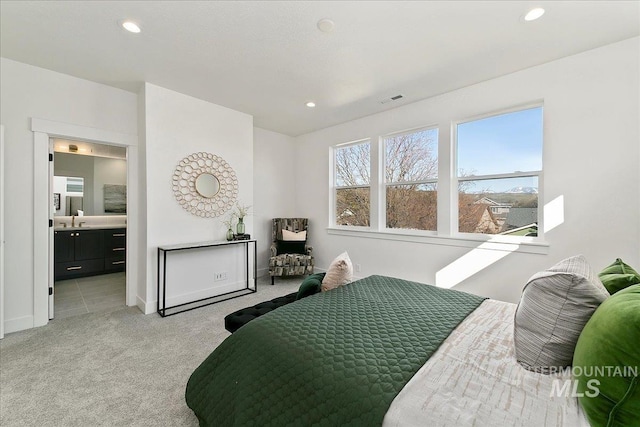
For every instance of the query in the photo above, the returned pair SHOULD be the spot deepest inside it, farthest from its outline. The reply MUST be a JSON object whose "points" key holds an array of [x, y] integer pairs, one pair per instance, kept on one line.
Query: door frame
{"points": [[2, 166], [43, 130]]}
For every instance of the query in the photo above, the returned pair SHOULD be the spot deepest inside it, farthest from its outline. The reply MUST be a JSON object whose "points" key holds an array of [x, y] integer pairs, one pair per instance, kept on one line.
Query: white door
{"points": [[1, 231], [52, 211]]}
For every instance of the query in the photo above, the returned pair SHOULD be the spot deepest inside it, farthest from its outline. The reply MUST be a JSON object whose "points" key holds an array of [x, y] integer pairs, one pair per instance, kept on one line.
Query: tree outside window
{"points": [[353, 191], [411, 178]]}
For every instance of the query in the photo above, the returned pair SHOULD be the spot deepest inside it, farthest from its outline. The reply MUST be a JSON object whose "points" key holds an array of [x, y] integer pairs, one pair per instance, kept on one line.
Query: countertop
{"points": [[89, 227]]}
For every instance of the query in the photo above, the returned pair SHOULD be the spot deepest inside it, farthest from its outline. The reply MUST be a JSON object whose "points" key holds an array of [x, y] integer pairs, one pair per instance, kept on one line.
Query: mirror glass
{"points": [[98, 180], [207, 185], [68, 195]]}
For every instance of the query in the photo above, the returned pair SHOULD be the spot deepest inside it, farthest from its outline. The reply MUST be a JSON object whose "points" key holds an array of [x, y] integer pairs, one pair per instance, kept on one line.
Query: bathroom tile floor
{"points": [[89, 294]]}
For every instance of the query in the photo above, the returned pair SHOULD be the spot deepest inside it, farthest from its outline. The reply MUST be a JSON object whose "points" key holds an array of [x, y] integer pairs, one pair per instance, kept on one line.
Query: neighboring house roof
{"points": [[488, 201], [520, 217], [477, 218]]}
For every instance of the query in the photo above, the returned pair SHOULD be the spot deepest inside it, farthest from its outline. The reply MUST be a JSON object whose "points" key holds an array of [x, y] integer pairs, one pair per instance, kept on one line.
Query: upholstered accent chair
{"points": [[290, 254]]}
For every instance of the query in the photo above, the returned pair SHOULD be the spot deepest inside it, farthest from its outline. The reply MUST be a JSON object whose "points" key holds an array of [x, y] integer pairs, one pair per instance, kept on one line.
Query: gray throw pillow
{"points": [[554, 307]]}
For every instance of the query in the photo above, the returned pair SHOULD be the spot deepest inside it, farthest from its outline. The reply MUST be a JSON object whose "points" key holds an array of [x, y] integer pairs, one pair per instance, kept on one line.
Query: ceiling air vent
{"points": [[393, 98]]}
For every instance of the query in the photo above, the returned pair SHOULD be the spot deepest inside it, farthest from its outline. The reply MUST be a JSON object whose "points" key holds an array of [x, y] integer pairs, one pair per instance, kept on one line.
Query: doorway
{"points": [[43, 242], [90, 226]]}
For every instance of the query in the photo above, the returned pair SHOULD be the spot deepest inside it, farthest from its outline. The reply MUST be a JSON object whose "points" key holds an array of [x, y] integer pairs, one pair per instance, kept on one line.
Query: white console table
{"points": [[163, 256]]}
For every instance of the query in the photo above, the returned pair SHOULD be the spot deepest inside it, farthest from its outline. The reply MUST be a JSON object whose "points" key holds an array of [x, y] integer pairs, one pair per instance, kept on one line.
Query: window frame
{"points": [[455, 179], [335, 187], [447, 233], [382, 194]]}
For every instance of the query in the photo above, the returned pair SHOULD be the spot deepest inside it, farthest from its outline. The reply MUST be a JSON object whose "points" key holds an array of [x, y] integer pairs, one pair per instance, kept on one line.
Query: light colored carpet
{"points": [[121, 368]]}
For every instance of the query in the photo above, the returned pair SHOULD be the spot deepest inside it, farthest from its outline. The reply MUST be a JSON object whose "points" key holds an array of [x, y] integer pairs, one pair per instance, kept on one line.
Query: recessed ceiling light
{"points": [[534, 14], [310, 104], [326, 25], [131, 26]]}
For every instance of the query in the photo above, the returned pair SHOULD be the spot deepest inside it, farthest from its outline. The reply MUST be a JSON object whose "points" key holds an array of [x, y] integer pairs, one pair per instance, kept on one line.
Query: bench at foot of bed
{"points": [[235, 320]]}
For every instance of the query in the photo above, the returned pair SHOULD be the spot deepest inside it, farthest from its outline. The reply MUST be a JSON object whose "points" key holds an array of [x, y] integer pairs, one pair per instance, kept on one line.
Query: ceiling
{"points": [[268, 58]]}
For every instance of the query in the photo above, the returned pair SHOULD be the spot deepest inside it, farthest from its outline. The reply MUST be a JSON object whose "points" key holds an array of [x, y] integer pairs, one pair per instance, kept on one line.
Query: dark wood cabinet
{"points": [[88, 252], [63, 246], [89, 244], [115, 249]]}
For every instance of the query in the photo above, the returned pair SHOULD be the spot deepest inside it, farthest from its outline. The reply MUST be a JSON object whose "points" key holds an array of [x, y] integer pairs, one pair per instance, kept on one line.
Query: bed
{"points": [[379, 351]]}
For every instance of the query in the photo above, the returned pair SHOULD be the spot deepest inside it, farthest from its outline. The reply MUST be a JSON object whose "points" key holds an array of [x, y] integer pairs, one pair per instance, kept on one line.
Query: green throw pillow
{"points": [[618, 276], [310, 285], [606, 362]]}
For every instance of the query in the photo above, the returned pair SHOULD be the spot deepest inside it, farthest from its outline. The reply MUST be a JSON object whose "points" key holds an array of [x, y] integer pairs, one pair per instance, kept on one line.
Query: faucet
{"points": [[73, 220], [81, 222]]}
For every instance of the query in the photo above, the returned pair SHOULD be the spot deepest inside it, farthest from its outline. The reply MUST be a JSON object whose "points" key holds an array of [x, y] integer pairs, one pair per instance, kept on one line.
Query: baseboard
{"points": [[146, 307], [18, 324], [152, 306]]}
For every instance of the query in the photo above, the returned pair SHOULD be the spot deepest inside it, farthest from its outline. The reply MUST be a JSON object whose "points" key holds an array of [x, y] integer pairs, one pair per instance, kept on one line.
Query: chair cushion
{"points": [[618, 276], [294, 235], [233, 321], [555, 306], [340, 272], [607, 359], [290, 246], [311, 285]]}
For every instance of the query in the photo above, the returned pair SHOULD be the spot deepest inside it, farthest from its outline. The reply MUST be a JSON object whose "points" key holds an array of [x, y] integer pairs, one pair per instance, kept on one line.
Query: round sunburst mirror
{"points": [[205, 185]]}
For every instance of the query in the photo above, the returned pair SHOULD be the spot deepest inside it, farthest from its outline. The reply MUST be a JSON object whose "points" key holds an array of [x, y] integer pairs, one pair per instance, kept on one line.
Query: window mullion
{"points": [[447, 203], [499, 176], [377, 185]]}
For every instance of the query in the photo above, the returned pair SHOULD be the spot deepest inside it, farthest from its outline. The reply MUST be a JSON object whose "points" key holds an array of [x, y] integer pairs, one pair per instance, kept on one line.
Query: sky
{"points": [[501, 144]]}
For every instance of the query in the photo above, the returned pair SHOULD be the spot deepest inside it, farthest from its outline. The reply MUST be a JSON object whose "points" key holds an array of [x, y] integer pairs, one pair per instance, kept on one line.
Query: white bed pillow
{"points": [[340, 272], [294, 236], [554, 307]]}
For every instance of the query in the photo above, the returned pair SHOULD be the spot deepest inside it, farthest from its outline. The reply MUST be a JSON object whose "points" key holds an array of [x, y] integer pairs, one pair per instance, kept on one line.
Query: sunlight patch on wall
{"points": [[553, 213], [469, 264]]}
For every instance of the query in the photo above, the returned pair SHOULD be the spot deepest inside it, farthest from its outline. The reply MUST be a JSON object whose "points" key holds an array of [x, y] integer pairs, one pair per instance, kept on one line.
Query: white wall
{"points": [[275, 182], [590, 158], [175, 126], [29, 92]]}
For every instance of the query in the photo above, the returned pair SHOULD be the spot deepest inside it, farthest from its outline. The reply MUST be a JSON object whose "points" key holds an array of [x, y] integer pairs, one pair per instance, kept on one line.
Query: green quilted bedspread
{"points": [[335, 358]]}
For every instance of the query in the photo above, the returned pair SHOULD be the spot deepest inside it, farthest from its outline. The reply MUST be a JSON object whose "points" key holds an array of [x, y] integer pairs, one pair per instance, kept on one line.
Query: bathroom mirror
{"points": [[207, 185]]}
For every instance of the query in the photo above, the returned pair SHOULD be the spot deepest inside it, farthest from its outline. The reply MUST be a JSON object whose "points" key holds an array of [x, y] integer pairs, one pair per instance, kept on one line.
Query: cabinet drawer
{"points": [[66, 270], [114, 239], [115, 264]]}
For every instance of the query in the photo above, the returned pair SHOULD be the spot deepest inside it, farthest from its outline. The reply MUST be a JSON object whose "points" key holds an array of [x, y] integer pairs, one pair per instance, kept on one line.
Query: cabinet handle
{"points": [[118, 249], [119, 235], [74, 268], [117, 262]]}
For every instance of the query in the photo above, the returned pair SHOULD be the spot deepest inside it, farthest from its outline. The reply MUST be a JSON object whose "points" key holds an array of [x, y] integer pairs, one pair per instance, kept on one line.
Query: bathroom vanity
{"points": [[89, 251]]}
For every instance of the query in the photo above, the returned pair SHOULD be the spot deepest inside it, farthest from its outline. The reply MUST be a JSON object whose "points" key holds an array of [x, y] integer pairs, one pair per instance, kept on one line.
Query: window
{"points": [[75, 185], [352, 184], [411, 179], [402, 186], [499, 163]]}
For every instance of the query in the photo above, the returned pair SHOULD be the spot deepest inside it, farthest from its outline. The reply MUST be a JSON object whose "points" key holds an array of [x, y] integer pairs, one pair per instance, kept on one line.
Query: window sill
{"points": [[497, 243]]}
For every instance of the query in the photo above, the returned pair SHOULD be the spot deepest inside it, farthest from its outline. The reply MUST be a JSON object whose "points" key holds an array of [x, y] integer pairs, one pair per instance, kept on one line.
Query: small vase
{"points": [[229, 234], [240, 226]]}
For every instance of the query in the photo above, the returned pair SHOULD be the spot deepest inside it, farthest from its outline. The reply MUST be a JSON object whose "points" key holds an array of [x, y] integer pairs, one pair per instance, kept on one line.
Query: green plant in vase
{"points": [[241, 212], [229, 224]]}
